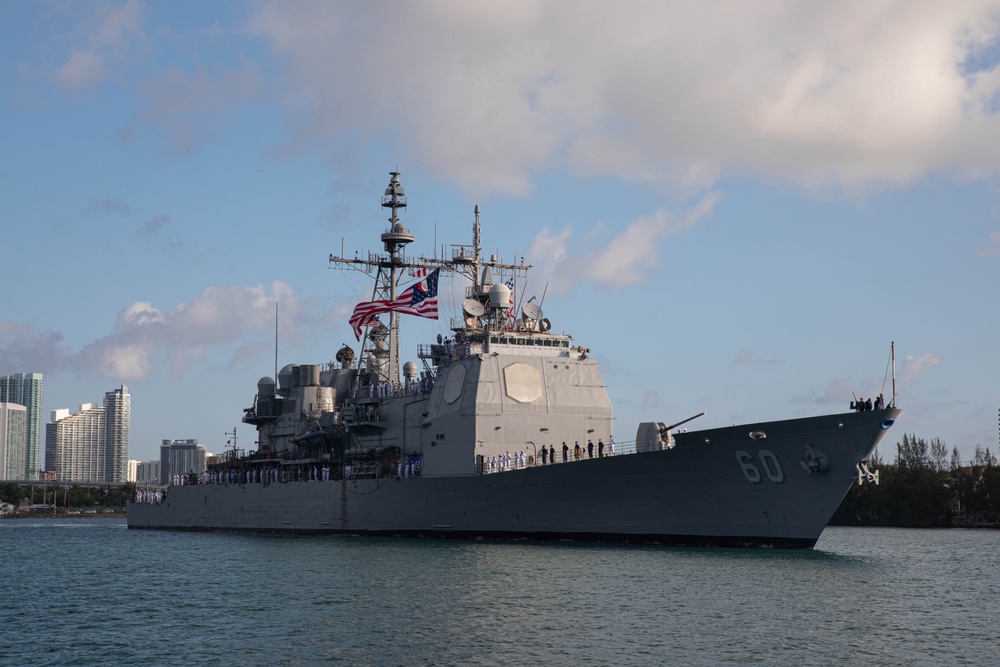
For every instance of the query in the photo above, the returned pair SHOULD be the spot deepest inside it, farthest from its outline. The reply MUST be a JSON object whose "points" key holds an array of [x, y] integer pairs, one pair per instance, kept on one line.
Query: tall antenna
{"points": [[232, 441], [275, 341], [475, 234]]}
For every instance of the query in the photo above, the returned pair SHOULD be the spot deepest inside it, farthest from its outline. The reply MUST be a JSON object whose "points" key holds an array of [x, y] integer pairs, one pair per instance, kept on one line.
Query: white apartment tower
{"points": [[13, 440], [92, 444], [26, 389]]}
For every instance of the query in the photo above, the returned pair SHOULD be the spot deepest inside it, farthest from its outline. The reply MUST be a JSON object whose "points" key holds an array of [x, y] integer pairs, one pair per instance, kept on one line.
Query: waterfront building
{"points": [[181, 457], [13, 441], [147, 472], [26, 389], [92, 444]]}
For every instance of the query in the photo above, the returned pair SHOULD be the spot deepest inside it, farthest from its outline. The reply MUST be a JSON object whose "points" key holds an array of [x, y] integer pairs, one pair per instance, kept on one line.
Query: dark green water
{"points": [[91, 592]]}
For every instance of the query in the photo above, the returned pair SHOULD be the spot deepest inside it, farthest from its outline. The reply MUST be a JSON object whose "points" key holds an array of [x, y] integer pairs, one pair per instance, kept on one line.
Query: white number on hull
{"points": [[768, 461], [750, 471]]}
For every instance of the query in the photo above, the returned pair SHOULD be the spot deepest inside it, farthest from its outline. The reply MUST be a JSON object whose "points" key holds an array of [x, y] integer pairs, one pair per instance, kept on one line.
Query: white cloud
{"points": [[630, 257], [23, 349], [914, 367], [83, 69], [849, 94], [106, 36], [146, 338]]}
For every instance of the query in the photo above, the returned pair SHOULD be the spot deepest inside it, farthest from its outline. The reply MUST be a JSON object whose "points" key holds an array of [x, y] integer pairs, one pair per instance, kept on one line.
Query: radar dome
{"points": [[410, 370], [265, 386], [285, 376], [499, 296]]}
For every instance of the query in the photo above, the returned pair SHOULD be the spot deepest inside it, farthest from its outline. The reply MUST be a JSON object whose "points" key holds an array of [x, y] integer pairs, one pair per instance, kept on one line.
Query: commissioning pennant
{"points": [[418, 299]]}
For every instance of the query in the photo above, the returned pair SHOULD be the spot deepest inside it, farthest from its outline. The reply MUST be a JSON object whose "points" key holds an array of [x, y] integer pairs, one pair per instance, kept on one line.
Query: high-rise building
{"points": [[181, 457], [118, 409], [92, 444], [26, 389], [13, 440], [147, 472]]}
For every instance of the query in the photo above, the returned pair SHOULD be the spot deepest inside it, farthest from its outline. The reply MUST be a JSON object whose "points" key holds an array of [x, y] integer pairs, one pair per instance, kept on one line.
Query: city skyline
{"points": [[92, 444], [737, 211]]}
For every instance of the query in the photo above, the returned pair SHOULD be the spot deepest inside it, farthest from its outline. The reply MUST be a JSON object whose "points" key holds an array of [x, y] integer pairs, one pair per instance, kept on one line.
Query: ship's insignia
{"points": [[815, 460]]}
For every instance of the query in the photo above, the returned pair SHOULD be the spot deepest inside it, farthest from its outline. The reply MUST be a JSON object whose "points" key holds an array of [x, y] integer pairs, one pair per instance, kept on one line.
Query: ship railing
{"points": [[434, 352], [463, 254], [484, 466], [266, 407], [409, 387]]}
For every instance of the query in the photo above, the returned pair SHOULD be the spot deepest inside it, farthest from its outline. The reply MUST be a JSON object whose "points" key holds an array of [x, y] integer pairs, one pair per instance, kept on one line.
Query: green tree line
{"points": [[926, 487], [67, 496]]}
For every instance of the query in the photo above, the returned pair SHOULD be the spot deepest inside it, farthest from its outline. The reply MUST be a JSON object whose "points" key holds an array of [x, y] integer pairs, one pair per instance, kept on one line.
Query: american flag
{"points": [[418, 273], [418, 299]]}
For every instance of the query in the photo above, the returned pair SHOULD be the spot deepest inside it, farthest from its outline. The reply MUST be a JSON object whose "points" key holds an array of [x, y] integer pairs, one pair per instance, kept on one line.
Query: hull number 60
{"points": [[768, 462]]}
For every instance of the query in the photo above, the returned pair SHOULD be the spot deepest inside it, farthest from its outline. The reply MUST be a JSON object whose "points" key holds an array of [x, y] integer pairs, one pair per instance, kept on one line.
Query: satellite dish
{"points": [[544, 324], [531, 311], [473, 307]]}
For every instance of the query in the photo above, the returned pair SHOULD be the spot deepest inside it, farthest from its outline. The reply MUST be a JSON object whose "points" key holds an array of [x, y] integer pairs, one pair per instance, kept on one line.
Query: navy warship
{"points": [[504, 432]]}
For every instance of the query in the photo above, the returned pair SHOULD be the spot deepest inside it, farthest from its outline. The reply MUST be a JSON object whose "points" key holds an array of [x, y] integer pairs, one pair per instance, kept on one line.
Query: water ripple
{"points": [[90, 592]]}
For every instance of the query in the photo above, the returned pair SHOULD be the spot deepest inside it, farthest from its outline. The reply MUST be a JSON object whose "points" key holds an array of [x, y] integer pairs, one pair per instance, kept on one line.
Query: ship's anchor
{"points": [[865, 474], [815, 460]]}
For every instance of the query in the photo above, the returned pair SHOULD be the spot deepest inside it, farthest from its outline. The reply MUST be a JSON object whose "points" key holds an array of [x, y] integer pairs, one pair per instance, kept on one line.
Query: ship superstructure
{"points": [[505, 431], [500, 385]]}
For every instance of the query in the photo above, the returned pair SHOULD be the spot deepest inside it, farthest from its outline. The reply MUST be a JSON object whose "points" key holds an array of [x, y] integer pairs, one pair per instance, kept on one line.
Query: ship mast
{"points": [[380, 346], [395, 239]]}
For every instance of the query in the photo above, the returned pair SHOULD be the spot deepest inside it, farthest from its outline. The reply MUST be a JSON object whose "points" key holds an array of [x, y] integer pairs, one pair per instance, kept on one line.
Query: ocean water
{"points": [[91, 592]]}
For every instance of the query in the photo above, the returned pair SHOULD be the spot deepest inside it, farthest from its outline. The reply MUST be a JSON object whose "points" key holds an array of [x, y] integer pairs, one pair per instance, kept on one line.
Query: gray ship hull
{"points": [[773, 484]]}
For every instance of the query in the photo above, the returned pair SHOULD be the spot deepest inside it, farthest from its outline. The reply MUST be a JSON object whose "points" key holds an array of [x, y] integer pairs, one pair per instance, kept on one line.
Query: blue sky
{"points": [[736, 206]]}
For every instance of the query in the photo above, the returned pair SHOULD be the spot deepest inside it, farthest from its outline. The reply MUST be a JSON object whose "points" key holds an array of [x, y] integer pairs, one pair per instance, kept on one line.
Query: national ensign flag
{"points": [[418, 299]]}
